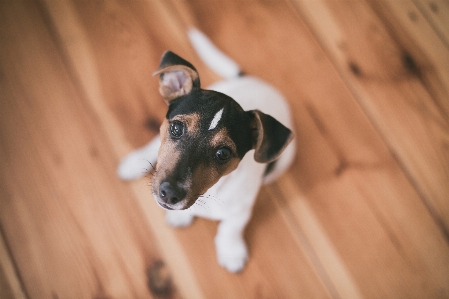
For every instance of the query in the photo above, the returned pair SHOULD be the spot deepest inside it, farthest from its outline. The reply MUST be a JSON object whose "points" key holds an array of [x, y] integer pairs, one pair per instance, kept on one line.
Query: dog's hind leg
{"points": [[140, 161]]}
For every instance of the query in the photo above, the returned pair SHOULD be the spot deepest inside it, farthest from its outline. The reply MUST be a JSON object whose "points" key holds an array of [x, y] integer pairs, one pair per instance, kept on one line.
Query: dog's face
{"points": [[204, 136]]}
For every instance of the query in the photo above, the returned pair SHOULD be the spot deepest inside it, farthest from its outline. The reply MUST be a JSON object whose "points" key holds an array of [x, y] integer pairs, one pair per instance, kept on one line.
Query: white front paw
{"points": [[133, 167], [179, 218], [231, 255]]}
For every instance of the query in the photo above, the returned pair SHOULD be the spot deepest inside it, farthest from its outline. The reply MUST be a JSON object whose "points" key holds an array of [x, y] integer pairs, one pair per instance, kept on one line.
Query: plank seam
{"points": [[304, 241]]}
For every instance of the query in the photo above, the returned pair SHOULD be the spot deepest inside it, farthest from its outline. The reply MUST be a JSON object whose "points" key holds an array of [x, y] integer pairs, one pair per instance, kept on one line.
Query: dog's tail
{"points": [[212, 56]]}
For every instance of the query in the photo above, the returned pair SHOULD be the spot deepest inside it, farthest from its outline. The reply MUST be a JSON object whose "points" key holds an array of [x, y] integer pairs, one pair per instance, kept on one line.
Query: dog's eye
{"points": [[223, 154], [176, 129]]}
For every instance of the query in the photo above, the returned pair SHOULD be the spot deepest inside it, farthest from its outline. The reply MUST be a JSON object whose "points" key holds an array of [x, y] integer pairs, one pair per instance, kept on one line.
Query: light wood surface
{"points": [[362, 213]]}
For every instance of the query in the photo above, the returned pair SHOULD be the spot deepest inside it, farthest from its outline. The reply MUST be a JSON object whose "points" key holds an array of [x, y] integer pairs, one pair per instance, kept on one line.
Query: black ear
{"points": [[270, 137], [177, 76]]}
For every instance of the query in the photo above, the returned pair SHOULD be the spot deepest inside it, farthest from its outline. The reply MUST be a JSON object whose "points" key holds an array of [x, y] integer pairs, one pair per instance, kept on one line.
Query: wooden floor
{"points": [[363, 212]]}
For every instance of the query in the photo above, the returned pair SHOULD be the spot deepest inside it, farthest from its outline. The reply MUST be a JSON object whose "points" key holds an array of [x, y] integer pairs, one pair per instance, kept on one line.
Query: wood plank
{"points": [[311, 234], [71, 226], [373, 257], [343, 166], [436, 12], [198, 270], [10, 285], [386, 76], [414, 33]]}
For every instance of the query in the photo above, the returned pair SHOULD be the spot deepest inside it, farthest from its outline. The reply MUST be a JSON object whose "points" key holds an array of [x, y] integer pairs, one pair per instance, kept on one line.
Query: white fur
{"points": [[231, 199], [216, 120]]}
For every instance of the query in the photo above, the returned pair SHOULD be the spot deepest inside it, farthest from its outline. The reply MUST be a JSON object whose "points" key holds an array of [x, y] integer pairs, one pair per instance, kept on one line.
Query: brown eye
{"points": [[223, 154], [176, 129]]}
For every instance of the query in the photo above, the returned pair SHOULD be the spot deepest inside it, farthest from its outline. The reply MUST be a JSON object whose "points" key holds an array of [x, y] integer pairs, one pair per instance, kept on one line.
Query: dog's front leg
{"points": [[231, 249], [140, 161], [178, 218]]}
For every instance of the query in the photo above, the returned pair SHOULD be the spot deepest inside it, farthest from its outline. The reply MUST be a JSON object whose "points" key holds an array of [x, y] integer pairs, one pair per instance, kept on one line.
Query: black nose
{"points": [[171, 193]]}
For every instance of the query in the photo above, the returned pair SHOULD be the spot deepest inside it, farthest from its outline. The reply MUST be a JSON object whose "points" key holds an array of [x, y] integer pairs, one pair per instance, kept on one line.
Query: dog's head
{"points": [[205, 135]]}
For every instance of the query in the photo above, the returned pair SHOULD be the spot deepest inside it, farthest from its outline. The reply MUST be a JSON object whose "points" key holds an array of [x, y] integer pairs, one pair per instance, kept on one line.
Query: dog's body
{"points": [[207, 150]]}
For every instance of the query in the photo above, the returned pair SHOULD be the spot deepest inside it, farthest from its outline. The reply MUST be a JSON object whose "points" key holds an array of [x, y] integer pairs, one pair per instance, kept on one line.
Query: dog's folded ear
{"points": [[177, 76], [269, 136]]}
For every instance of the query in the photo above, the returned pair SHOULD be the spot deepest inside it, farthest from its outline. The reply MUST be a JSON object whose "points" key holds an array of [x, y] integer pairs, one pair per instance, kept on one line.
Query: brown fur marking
{"points": [[168, 156]]}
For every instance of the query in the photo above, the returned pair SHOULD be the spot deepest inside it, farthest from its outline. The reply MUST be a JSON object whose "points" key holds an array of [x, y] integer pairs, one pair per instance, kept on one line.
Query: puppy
{"points": [[216, 147]]}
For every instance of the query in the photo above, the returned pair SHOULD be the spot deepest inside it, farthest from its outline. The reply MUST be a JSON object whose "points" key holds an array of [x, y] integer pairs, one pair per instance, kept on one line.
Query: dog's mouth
{"points": [[172, 199], [183, 205], [165, 206]]}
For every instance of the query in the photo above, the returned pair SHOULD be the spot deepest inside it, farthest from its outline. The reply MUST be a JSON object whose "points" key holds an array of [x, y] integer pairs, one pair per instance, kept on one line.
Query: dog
{"points": [[216, 147]]}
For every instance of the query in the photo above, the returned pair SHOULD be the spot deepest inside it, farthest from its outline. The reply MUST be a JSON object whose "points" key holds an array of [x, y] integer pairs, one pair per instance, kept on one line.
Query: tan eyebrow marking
{"points": [[167, 158], [222, 138], [190, 120]]}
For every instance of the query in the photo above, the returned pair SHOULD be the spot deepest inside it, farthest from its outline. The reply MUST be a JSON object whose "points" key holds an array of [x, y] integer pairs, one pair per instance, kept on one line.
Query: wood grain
{"points": [[436, 12], [10, 285], [391, 86], [363, 212], [68, 236]]}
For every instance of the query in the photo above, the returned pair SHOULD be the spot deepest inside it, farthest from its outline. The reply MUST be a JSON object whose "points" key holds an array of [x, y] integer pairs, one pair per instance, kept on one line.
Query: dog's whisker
{"points": [[149, 175], [202, 202], [152, 171], [152, 166], [218, 202], [143, 186], [216, 199], [203, 205]]}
